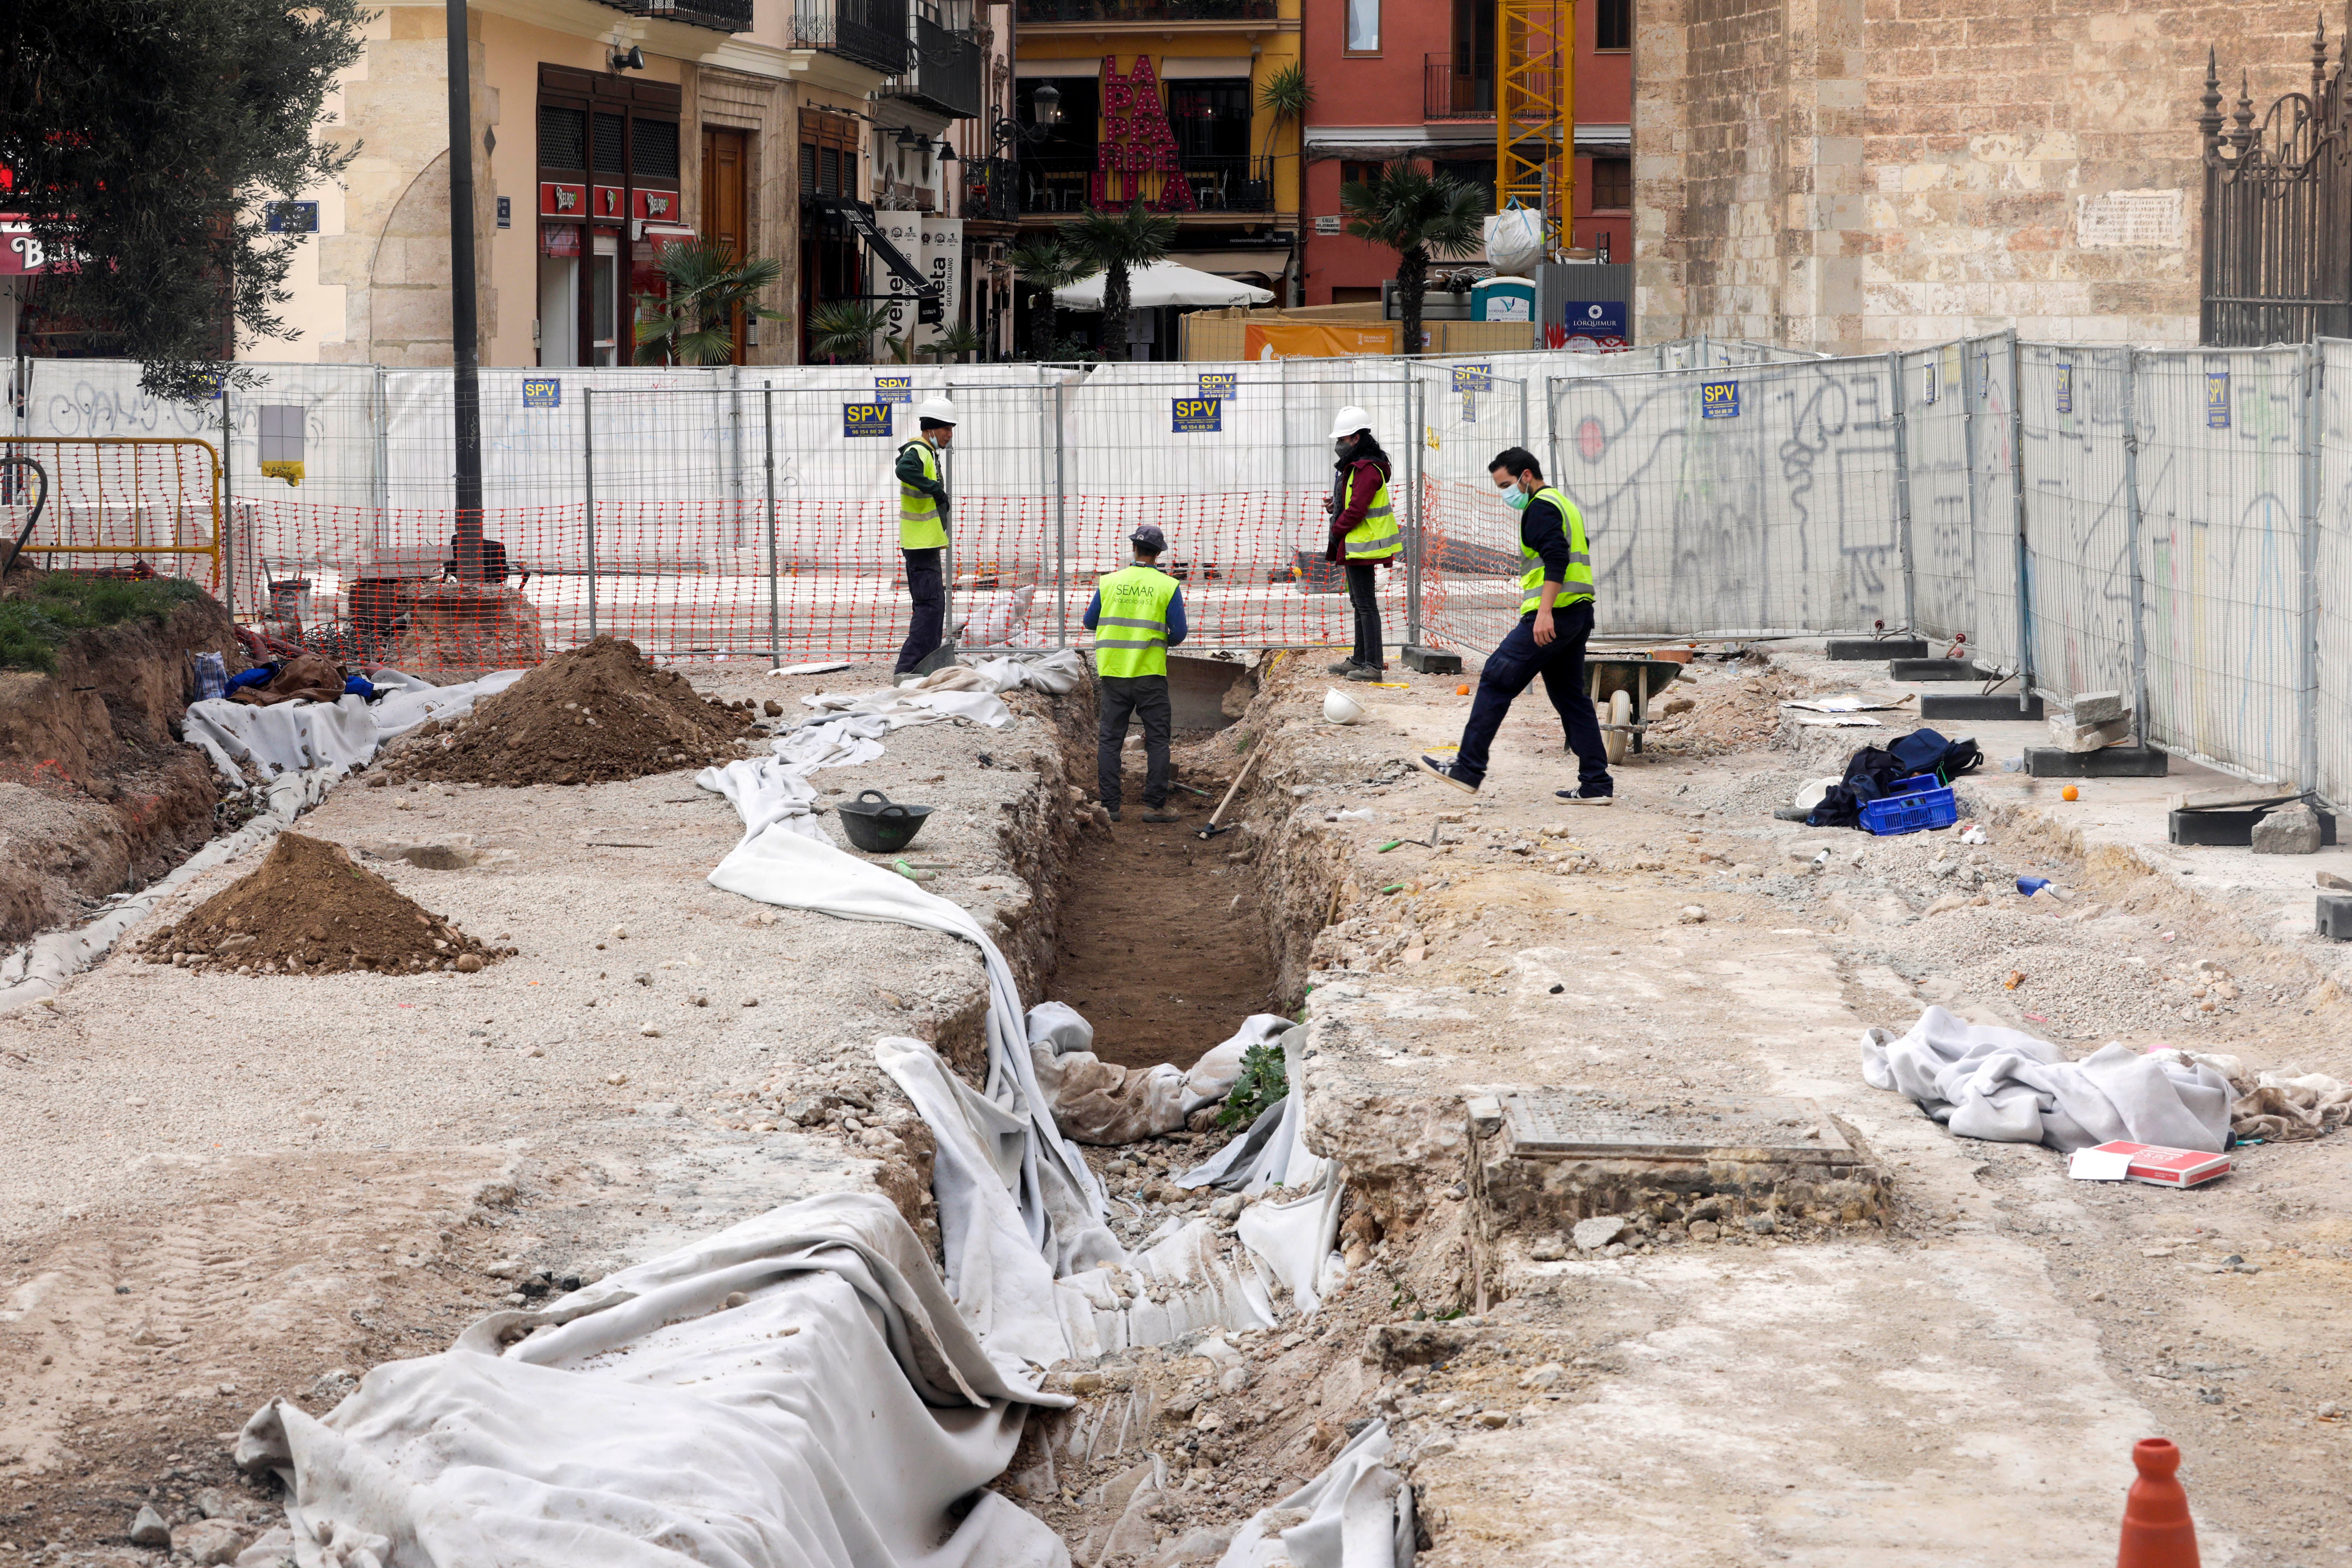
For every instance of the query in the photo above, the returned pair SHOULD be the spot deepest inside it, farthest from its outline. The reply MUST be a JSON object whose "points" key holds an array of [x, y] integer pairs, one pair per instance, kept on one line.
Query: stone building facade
{"points": [[1858, 175]]}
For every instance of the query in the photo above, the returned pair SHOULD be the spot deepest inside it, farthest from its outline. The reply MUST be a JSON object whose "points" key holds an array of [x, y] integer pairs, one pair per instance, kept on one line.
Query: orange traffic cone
{"points": [[2158, 1530]]}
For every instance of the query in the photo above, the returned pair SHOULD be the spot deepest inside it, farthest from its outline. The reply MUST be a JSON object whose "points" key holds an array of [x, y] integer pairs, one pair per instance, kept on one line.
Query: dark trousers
{"points": [[1144, 697], [1361, 576], [1509, 670], [930, 617]]}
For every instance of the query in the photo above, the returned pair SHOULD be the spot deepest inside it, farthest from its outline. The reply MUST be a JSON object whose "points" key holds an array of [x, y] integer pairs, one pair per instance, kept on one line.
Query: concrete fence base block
{"points": [[1981, 707], [1933, 669], [1858, 649], [1431, 661], [2335, 915], [2109, 762]]}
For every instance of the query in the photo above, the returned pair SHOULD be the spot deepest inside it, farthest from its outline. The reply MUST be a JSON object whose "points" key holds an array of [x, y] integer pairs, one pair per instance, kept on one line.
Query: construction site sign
{"points": [[865, 419], [1197, 415], [543, 391], [1216, 383], [1719, 400], [894, 389], [1316, 339]]}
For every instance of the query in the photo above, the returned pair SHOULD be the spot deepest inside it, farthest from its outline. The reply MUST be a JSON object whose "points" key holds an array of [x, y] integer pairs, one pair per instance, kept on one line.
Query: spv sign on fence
{"points": [[542, 392], [894, 389], [2217, 400], [1216, 383], [1719, 400], [865, 419], [1197, 415]]}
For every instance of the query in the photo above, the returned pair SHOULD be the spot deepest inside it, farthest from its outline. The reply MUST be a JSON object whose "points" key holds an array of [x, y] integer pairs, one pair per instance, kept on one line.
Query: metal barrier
{"points": [[2172, 524], [156, 499]]}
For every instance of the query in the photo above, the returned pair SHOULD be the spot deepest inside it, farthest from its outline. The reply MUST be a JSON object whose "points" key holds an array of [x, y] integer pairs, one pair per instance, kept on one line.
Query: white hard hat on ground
{"points": [[938, 410], [1350, 420]]}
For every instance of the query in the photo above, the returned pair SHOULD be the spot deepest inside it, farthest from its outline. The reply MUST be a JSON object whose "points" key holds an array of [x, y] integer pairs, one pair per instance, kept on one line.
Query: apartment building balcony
{"points": [[1061, 185], [947, 71], [1186, 14], [718, 16], [1457, 89], [869, 33]]}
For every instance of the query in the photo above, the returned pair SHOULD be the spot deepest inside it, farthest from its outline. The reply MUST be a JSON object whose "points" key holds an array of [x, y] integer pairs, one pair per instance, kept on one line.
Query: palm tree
{"points": [[1284, 100], [707, 284], [1045, 263], [1416, 214], [957, 340], [844, 330], [1117, 242]]}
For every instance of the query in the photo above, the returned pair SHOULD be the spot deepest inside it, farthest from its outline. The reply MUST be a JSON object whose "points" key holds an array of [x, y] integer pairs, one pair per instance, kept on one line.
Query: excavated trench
{"points": [[1163, 941]]}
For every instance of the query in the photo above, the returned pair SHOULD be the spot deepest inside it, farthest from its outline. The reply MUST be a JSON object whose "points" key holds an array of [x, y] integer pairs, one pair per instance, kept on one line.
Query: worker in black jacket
{"points": [[1555, 622]]}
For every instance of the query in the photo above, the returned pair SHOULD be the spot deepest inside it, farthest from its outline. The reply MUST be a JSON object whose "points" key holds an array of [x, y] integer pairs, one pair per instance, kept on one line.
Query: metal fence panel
{"points": [[2331, 596], [2077, 529], [2221, 485], [1728, 503], [1987, 370], [1943, 533], [1470, 540]]}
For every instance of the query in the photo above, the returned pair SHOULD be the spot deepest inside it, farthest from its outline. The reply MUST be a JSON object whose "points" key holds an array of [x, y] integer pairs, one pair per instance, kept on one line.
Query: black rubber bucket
{"points": [[878, 824]]}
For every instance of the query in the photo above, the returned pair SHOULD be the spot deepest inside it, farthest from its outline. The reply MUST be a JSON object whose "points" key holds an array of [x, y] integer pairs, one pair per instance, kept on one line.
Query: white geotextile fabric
{"points": [[1096, 1102], [1295, 1236], [773, 789], [1359, 1515], [287, 737], [829, 1421], [2005, 1086]]}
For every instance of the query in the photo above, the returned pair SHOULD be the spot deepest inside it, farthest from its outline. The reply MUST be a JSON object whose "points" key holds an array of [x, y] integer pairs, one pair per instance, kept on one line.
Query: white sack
{"points": [[2007, 1087], [287, 737], [1515, 241]]}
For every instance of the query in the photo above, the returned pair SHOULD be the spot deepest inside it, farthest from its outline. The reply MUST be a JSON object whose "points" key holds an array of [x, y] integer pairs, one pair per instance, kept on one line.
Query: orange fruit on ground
{"points": [[2070, 792]]}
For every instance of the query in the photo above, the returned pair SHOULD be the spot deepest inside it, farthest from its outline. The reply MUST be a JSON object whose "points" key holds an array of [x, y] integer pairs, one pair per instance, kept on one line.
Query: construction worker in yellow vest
{"points": [[1137, 616], [1363, 534], [1555, 621], [923, 530]]}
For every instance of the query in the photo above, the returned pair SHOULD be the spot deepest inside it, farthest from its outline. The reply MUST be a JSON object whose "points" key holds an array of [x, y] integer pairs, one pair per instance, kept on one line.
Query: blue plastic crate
{"points": [[1912, 805]]}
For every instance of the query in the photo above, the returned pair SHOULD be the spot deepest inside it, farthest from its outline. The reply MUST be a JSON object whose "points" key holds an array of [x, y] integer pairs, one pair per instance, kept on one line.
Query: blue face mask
{"points": [[1516, 499]]}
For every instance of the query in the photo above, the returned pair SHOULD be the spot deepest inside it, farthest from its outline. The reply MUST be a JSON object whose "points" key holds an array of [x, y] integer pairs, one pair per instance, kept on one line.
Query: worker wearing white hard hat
{"points": [[1363, 535], [923, 529]]}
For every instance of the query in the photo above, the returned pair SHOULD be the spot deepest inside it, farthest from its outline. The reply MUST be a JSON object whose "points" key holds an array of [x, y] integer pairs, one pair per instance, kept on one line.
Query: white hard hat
{"points": [[1350, 420], [1338, 707], [938, 410]]}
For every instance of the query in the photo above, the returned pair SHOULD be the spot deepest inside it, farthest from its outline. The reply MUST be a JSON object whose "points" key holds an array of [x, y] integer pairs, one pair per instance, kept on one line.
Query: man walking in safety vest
{"points": [[1554, 620], [923, 530], [1363, 534], [1137, 616]]}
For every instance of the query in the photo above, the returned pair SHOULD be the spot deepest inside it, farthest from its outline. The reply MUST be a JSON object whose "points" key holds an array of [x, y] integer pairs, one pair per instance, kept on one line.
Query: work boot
{"points": [[1159, 813], [1367, 672], [1113, 812], [1451, 773], [1343, 666]]}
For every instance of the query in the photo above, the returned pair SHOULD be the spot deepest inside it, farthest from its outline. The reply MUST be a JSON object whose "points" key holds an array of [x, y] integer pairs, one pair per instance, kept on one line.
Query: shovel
{"points": [[1212, 830]]}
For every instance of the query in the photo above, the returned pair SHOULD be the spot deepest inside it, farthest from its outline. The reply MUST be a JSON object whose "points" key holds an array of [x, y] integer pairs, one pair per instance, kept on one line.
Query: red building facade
{"points": [[1416, 78]]}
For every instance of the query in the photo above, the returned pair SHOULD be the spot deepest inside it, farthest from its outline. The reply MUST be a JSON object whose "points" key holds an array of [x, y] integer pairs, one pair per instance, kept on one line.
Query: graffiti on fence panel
{"points": [[1784, 517]]}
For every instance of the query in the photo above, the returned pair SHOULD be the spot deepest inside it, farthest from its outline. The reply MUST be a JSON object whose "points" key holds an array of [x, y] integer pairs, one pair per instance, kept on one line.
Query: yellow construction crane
{"points": [[1534, 112]]}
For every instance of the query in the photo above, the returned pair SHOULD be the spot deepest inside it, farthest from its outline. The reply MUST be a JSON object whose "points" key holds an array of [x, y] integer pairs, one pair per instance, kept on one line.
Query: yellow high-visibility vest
{"points": [[1579, 583], [1131, 631], [1377, 537], [918, 510]]}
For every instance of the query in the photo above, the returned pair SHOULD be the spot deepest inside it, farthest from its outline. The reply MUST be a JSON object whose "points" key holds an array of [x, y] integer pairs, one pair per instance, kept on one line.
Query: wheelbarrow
{"points": [[1621, 689]]}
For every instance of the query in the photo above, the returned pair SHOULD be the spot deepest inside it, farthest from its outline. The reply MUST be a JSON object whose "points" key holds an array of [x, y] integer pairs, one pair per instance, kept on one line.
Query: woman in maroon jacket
{"points": [[1363, 534]]}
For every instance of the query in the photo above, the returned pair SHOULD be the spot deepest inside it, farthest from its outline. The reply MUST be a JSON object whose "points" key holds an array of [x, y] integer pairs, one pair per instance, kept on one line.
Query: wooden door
{"points": [[726, 203]]}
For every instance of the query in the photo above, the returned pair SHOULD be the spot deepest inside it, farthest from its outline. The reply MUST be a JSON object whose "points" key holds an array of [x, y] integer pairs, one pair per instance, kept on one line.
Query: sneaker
{"points": [[1159, 816], [1577, 797], [1451, 775], [1366, 672]]}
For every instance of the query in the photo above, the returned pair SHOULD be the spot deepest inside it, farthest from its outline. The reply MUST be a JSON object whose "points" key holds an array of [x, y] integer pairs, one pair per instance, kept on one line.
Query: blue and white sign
{"points": [[2217, 400], [1216, 383], [1594, 323], [865, 419], [2065, 389], [894, 389], [542, 392], [1719, 400], [1197, 415], [1473, 378]]}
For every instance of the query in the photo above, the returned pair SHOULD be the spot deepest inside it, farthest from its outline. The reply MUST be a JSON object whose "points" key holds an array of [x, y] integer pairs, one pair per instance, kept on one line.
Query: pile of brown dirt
{"points": [[593, 715], [309, 908]]}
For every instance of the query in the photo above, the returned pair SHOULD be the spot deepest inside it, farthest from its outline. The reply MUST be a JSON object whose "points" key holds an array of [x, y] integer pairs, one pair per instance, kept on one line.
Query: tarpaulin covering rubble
{"points": [[2005, 1086]]}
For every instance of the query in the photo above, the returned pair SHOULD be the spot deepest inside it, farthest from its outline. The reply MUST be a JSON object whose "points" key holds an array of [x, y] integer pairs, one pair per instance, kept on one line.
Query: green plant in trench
{"points": [[1262, 1082]]}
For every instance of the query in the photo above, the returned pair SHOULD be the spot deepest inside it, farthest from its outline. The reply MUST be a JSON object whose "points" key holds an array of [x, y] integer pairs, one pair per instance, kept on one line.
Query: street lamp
{"points": [[1045, 114], [465, 342]]}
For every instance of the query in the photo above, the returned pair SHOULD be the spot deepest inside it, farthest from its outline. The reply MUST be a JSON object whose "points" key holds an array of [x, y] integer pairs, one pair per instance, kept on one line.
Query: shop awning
{"points": [[1234, 263]]}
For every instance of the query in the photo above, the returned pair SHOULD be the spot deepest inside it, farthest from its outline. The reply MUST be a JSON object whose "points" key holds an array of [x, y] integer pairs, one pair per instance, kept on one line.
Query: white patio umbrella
{"points": [[1164, 283]]}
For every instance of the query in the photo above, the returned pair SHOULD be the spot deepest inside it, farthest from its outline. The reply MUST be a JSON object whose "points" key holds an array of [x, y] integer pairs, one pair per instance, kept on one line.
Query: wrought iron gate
{"points": [[2278, 212]]}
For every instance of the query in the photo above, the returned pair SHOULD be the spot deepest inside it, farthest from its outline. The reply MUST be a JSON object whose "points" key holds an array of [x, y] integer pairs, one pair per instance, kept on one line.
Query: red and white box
{"points": [[2162, 1167]]}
